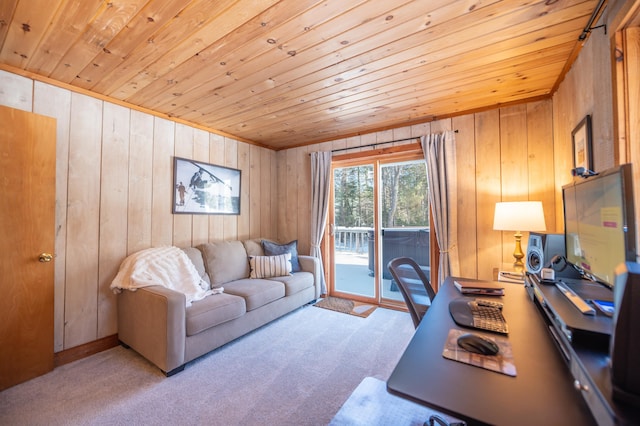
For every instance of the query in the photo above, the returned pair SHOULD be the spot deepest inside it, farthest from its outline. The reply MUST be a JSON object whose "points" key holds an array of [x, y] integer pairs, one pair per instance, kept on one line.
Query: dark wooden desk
{"points": [[542, 393]]}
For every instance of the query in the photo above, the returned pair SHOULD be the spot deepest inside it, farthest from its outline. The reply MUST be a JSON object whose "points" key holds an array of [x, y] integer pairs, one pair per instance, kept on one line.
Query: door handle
{"points": [[45, 257]]}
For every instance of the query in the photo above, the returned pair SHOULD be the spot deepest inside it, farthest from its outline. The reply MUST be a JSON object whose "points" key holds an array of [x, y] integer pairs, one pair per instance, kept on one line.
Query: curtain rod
{"points": [[594, 15], [378, 143]]}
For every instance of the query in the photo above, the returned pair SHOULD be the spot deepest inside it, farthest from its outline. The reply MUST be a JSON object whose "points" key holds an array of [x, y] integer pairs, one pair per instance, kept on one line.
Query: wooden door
{"points": [[27, 226]]}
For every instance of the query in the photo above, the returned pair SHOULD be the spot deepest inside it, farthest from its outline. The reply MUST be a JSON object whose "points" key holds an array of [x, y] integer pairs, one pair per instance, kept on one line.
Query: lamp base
{"points": [[518, 265]]}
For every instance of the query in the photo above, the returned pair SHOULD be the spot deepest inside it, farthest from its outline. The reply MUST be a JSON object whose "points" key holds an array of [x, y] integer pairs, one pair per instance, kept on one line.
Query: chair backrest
{"points": [[414, 286]]}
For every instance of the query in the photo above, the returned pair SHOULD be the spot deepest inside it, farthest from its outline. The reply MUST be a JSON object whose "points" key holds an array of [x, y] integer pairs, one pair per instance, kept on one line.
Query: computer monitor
{"points": [[599, 223]]}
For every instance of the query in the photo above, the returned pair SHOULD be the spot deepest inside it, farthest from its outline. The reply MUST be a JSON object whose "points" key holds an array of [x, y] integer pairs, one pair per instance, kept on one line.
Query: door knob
{"points": [[45, 257]]}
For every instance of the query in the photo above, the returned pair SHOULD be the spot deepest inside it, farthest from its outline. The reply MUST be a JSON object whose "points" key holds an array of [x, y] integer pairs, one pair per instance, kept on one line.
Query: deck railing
{"points": [[412, 242], [353, 240]]}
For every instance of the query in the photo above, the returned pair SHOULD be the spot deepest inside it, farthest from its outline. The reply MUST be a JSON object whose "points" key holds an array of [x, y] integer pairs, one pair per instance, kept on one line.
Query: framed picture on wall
{"points": [[203, 188], [582, 150]]}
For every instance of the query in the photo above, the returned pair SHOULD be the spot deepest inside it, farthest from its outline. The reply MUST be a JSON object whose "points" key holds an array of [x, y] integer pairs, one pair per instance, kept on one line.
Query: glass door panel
{"points": [[404, 211], [353, 231]]}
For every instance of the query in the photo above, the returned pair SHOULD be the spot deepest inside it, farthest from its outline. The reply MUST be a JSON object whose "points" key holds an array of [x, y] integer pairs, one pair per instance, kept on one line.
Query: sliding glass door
{"points": [[353, 224], [380, 211], [404, 218]]}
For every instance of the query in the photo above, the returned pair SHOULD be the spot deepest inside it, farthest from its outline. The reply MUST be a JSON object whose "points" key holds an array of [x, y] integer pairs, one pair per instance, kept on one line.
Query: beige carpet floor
{"points": [[297, 370]]}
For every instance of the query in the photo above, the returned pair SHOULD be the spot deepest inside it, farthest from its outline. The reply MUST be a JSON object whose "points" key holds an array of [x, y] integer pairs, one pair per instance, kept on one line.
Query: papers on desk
{"points": [[511, 277], [501, 363], [484, 288]]}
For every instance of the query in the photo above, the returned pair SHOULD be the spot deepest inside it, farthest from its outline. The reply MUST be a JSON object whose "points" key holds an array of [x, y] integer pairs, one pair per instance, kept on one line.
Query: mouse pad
{"points": [[502, 362]]}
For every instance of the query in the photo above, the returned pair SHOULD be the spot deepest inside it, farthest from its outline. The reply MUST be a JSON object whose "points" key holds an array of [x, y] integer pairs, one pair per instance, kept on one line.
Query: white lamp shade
{"points": [[519, 216]]}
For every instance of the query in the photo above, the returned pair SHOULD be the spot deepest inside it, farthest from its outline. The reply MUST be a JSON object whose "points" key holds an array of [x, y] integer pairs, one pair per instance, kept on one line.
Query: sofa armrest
{"points": [[151, 320], [311, 264]]}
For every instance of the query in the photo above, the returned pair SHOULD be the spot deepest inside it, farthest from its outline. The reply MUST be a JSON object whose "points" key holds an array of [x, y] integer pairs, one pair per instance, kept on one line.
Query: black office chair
{"points": [[414, 286]]}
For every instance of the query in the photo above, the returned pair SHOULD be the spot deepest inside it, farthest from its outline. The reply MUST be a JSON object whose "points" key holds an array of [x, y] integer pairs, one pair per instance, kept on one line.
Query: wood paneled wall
{"points": [[114, 195], [586, 90], [114, 172], [502, 155], [514, 153]]}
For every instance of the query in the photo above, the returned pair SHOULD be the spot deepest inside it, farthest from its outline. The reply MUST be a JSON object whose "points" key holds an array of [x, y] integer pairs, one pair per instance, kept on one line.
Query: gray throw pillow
{"points": [[273, 249]]}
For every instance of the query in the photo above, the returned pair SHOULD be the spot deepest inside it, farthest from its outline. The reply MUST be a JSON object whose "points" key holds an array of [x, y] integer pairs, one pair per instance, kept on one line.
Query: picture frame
{"points": [[203, 188], [582, 148]]}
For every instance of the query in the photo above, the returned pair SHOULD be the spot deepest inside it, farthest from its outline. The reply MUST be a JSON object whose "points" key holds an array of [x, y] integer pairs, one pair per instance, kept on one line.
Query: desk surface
{"points": [[541, 393]]}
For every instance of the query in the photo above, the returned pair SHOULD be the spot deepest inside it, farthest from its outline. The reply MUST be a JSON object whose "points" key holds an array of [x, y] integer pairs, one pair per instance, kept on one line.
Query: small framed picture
{"points": [[203, 188], [581, 138]]}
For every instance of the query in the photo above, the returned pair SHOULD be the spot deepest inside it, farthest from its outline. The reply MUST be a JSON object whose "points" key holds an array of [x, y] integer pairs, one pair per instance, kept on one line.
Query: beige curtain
{"points": [[320, 181], [440, 155]]}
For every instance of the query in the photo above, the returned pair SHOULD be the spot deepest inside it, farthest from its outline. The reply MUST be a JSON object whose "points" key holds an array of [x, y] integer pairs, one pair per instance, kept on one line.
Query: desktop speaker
{"points": [[625, 342], [541, 248]]}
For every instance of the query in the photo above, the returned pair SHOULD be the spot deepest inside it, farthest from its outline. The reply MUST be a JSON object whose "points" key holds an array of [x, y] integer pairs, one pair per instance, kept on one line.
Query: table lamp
{"points": [[519, 216]]}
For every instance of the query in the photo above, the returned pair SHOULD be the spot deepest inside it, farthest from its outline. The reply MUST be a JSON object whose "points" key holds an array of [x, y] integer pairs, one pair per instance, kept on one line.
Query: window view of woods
{"points": [[403, 195], [353, 199]]}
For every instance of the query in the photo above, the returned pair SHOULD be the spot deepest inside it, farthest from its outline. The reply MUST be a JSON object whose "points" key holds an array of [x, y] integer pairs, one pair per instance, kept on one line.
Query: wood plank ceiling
{"points": [[284, 73]]}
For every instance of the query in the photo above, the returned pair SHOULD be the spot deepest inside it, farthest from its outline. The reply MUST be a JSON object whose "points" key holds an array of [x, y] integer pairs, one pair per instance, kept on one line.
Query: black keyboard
{"points": [[479, 314]]}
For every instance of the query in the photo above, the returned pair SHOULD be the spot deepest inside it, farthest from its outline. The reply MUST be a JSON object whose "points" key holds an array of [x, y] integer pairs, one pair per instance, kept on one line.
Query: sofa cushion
{"points": [[270, 266], [254, 247], [213, 310], [272, 249], [295, 282], [225, 261], [256, 292], [196, 258]]}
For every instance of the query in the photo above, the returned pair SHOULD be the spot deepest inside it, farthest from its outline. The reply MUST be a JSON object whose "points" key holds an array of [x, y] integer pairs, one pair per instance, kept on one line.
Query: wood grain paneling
{"points": [[216, 156], [163, 149], [230, 222], [16, 91], [114, 203], [268, 181], [502, 149], [201, 153], [25, 31], [540, 159], [284, 73], [140, 182], [243, 219], [182, 223], [107, 21], [467, 194], [253, 191], [7, 9], [292, 194], [498, 158], [303, 168], [83, 216], [114, 178], [488, 189], [586, 89]]}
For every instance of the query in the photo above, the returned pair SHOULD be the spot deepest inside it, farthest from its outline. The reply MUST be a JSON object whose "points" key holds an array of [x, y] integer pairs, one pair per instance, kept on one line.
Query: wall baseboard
{"points": [[83, 351]]}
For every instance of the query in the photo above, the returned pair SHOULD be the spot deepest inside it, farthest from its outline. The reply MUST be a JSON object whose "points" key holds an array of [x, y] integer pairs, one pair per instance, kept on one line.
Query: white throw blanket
{"points": [[169, 267]]}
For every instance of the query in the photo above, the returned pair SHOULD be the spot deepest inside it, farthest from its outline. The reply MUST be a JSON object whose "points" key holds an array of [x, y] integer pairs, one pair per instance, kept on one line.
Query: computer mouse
{"points": [[477, 344]]}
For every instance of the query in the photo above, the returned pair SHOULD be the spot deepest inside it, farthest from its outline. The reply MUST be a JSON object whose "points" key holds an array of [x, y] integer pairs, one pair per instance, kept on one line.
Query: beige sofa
{"points": [[155, 322]]}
